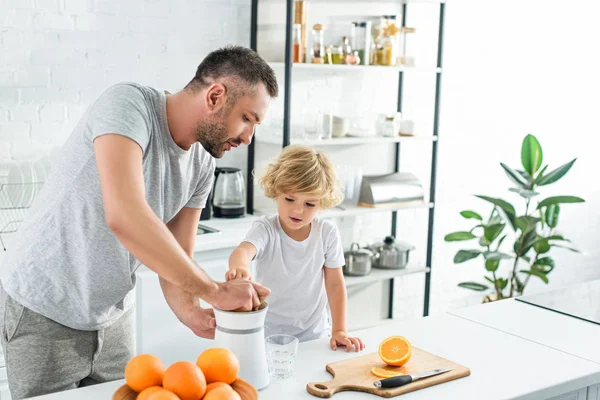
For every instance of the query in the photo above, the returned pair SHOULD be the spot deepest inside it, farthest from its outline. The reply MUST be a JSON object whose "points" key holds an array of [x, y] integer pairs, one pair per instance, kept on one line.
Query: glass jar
{"points": [[387, 42], [298, 46], [318, 47], [406, 56], [361, 41]]}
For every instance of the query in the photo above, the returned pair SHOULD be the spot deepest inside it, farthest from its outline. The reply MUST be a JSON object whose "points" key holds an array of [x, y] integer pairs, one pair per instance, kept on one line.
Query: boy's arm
{"points": [[336, 295], [239, 262]]}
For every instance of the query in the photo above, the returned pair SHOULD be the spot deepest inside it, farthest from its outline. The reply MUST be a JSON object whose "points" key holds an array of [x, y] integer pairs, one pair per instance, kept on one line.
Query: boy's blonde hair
{"points": [[301, 169]]}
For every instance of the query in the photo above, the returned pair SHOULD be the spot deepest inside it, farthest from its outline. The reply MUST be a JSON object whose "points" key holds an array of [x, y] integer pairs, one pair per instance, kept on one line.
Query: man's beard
{"points": [[212, 135]]}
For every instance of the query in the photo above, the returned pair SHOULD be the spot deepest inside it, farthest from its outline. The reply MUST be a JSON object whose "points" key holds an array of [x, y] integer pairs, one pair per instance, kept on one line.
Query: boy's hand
{"points": [[341, 338], [237, 273]]}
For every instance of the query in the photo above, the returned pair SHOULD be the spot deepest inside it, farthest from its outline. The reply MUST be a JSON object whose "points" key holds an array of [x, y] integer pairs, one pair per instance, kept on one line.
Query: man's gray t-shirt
{"points": [[65, 263]]}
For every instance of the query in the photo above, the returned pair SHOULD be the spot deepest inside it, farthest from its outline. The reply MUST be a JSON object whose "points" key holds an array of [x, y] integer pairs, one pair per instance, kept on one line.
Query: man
{"points": [[129, 185]]}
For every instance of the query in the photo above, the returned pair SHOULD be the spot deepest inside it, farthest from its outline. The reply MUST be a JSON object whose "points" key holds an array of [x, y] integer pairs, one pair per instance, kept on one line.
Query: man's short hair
{"points": [[235, 63]]}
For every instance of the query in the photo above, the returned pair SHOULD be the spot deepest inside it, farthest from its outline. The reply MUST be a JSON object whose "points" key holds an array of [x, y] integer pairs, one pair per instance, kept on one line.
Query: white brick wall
{"points": [[57, 56]]}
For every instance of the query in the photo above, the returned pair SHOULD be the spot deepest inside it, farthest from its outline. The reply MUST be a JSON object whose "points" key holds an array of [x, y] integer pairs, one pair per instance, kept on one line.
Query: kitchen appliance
{"points": [[243, 333], [355, 374], [391, 254], [579, 301], [395, 189], [229, 193], [358, 261], [401, 380]]}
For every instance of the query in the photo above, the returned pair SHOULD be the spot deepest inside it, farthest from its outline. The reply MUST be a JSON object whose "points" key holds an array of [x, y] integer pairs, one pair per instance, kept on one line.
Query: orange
{"points": [[144, 371], [384, 373], [222, 393], [219, 365], [395, 351], [186, 380], [163, 395], [145, 394], [215, 385]]}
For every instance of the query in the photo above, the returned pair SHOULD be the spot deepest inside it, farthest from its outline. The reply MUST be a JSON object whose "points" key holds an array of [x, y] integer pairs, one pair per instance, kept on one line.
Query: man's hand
{"points": [[239, 294], [201, 321], [238, 273]]}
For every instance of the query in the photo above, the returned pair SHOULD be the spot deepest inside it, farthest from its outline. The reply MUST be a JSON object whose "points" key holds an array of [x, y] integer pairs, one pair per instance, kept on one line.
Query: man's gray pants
{"points": [[43, 356]]}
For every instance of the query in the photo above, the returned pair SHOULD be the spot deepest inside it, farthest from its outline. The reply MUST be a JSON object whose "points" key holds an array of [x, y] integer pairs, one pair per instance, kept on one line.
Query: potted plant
{"points": [[532, 234]]}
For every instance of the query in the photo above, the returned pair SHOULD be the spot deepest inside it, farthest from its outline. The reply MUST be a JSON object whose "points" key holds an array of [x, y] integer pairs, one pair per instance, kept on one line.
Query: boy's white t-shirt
{"points": [[294, 272]]}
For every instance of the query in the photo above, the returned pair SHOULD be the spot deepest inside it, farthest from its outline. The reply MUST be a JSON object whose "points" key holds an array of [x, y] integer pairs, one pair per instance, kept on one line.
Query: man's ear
{"points": [[216, 96]]}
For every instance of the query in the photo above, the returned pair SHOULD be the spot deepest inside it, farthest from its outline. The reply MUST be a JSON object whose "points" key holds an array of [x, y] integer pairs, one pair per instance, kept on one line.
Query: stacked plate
{"points": [[22, 182]]}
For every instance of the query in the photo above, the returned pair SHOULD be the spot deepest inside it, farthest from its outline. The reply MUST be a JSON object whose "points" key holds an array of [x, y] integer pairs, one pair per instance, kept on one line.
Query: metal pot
{"points": [[358, 261], [390, 254]]}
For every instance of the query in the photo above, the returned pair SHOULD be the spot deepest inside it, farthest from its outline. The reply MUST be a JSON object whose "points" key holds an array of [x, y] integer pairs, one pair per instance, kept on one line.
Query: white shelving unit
{"points": [[362, 68], [343, 141], [383, 274]]}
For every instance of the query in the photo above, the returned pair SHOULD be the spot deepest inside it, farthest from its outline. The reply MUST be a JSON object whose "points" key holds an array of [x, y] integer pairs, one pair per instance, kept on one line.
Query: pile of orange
{"points": [[395, 351], [214, 376]]}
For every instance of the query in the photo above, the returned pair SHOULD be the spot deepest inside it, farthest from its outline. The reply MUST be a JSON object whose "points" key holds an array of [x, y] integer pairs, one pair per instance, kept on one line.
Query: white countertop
{"points": [[232, 232], [571, 335], [503, 366]]}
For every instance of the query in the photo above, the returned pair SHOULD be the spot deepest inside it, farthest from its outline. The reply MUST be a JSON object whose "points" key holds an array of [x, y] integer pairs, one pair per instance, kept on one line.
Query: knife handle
{"points": [[394, 381]]}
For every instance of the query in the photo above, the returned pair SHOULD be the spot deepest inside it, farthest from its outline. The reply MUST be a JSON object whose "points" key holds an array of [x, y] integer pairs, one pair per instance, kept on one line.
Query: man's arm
{"points": [[137, 227], [185, 306]]}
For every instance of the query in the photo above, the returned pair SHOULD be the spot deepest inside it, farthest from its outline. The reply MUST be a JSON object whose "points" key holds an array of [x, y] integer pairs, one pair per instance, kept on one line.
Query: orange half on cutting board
{"points": [[395, 351]]}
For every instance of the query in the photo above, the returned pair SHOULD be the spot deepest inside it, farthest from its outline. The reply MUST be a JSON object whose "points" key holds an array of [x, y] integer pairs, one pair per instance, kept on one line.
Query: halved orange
{"points": [[395, 351], [384, 373]]}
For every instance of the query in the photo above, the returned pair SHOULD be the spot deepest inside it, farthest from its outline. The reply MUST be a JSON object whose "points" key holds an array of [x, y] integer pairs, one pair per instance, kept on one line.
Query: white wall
{"points": [[57, 56]]}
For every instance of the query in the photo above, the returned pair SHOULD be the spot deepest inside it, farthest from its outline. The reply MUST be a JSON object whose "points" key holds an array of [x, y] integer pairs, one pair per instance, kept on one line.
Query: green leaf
{"points": [[531, 154], [526, 223], [473, 286], [501, 283], [508, 208], [500, 241], [492, 265], [483, 242], [525, 175], [519, 285], [471, 215], [490, 280], [524, 243], [566, 247], [555, 175], [491, 232], [542, 217], [544, 264], [551, 215], [539, 274], [524, 193], [465, 255], [541, 173], [526, 258], [496, 255], [458, 236], [559, 200], [542, 246], [515, 176]]}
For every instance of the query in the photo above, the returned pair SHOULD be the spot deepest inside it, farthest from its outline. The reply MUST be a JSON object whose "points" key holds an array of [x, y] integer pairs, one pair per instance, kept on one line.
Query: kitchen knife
{"points": [[402, 380]]}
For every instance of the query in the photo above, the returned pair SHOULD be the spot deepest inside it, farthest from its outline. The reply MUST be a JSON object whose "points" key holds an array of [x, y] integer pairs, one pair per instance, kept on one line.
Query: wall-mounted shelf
{"points": [[383, 274], [343, 141], [352, 210], [362, 68]]}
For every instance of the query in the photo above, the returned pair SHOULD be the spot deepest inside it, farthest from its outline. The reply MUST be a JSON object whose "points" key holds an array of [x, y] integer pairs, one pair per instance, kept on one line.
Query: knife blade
{"points": [[401, 380]]}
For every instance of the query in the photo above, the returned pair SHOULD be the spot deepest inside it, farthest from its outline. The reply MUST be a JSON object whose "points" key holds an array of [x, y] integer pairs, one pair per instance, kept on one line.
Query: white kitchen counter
{"points": [[571, 335], [503, 366], [232, 232]]}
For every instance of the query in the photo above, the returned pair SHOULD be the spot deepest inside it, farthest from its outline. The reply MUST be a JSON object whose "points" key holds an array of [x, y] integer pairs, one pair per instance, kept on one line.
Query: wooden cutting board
{"points": [[355, 374]]}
